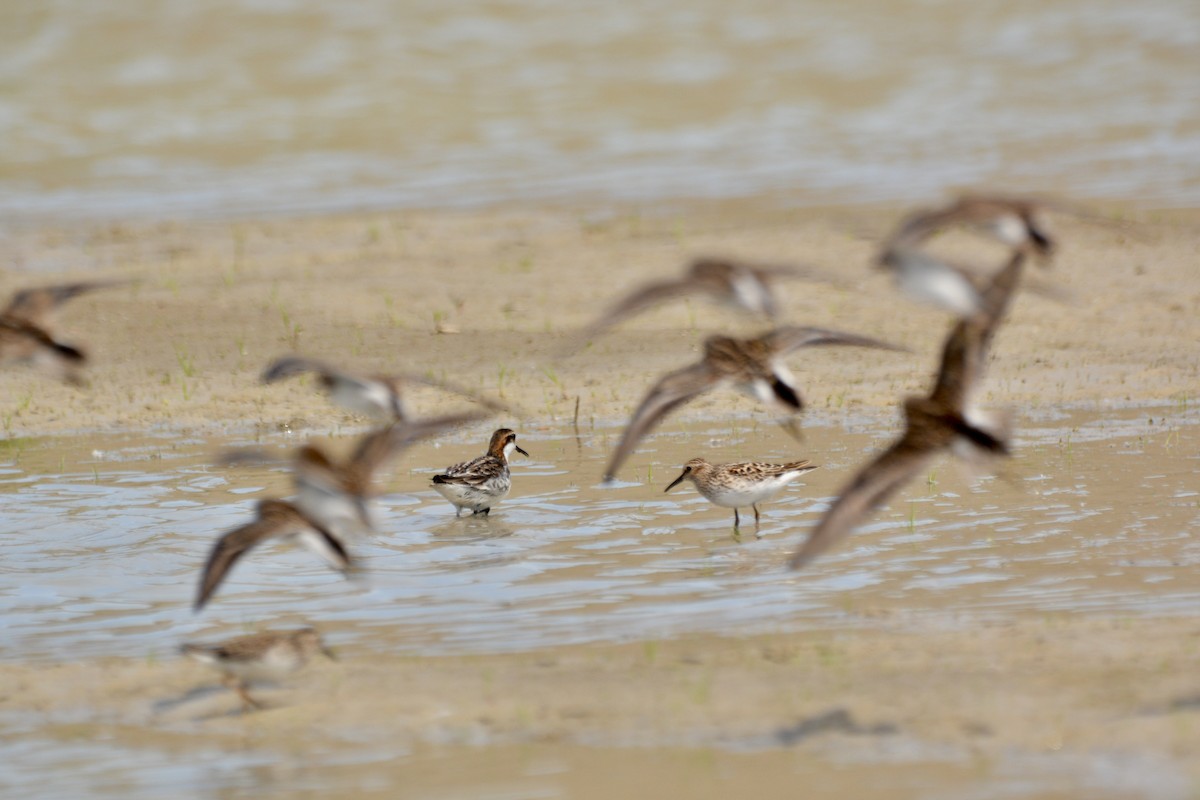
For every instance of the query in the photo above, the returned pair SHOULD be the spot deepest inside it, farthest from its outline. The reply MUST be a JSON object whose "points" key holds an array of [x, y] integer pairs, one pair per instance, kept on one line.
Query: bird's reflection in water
{"points": [[472, 528]]}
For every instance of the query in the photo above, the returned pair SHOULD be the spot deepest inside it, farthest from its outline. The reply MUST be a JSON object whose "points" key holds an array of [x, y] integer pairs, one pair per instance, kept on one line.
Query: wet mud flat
{"points": [[1032, 634]]}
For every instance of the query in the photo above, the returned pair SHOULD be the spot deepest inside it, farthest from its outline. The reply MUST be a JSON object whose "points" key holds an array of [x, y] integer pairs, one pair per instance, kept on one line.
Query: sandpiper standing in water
{"points": [[268, 655], [739, 485], [482, 482]]}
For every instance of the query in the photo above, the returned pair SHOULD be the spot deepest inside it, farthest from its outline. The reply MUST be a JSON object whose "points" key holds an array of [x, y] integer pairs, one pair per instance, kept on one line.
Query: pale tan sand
{"points": [[214, 303], [182, 349], [1075, 689]]}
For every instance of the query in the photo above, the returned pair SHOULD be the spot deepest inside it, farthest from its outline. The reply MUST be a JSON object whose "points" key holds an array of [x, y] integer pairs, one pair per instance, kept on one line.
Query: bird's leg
{"points": [[239, 686], [736, 520], [757, 524], [792, 428]]}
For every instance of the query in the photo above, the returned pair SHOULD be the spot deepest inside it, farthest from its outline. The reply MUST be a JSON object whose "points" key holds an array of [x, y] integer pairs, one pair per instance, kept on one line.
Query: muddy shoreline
{"points": [[211, 304], [485, 299]]}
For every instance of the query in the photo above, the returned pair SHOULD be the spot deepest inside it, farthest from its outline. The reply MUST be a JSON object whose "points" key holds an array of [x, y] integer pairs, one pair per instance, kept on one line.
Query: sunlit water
{"points": [[166, 107], [103, 540]]}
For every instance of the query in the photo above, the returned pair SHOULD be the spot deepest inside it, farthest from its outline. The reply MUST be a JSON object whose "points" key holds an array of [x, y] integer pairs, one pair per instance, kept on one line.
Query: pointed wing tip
{"points": [[799, 560]]}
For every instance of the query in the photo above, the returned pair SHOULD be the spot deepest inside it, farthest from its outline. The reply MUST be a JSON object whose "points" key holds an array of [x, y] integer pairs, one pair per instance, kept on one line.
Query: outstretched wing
{"points": [[38, 304], [276, 520], [672, 391], [641, 299], [789, 338], [871, 487], [21, 329], [966, 349], [446, 386], [290, 366], [376, 450]]}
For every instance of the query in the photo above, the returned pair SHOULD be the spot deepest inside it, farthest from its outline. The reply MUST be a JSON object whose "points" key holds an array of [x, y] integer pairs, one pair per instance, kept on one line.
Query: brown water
{"points": [[163, 107]]}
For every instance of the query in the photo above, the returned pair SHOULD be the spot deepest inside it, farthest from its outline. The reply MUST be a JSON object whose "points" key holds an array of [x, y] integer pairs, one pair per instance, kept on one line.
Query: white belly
{"points": [[739, 497], [475, 498]]}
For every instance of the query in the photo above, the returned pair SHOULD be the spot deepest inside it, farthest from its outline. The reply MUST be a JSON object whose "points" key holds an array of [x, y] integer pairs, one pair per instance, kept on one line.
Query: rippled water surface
{"points": [[246, 106], [102, 541], [102, 538]]}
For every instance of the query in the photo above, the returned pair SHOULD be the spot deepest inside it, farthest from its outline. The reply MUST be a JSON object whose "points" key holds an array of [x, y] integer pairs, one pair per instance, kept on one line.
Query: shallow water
{"points": [[865, 769], [105, 536], [163, 107]]}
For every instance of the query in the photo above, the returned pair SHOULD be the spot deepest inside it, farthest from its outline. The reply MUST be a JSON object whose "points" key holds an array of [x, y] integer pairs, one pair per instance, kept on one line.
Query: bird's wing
{"points": [[19, 328], [245, 648], [785, 271], [327, 546], [38, 304], [640, 299], [447, 386], [248, 456], [289, 366], [276, 520], [475, 472], [376, 450], [788, 338], [235, 544], [873, 485], [918, 226], [672, 391], [312, 469], [966, 349]]}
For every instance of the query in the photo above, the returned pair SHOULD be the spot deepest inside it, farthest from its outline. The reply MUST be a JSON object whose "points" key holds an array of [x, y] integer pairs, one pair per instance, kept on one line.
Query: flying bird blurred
{"points": [[945, 420]]}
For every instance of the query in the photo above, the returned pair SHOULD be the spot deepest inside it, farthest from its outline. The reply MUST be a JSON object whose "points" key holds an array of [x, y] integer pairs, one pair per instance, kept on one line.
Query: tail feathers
{"points": [[786, 394], [1041, 242], [200, 652], [68, 352], [997, 442]]}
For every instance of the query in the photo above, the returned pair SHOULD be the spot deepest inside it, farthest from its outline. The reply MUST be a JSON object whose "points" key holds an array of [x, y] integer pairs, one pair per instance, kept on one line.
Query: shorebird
{"points": [[753, 365], [25, 328], [954, 286], [733, 283], [276, 519], [739, 485], [945, 420], [1013, 221], [268, 655], [934, 280], [379, 396], [339, 492], [482, 482]]}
